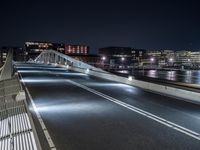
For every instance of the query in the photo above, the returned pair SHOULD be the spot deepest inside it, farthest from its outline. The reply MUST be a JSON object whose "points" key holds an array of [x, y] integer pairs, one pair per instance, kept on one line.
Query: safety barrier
{"points": [[6, 72], [16, 129], [181, 94], [54, 57], [59, 59]]}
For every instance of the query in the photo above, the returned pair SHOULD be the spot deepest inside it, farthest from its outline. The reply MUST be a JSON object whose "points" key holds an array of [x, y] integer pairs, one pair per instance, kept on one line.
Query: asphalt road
{"points": [[87, 113]]}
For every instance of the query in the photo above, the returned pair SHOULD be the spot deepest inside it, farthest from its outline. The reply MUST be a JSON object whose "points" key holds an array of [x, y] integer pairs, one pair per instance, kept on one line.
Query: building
{"points": [[178, 59], [76, 50], [33, 49], [122, 56], [161, 57], [60, 47], [18, 54], [188, 58]]}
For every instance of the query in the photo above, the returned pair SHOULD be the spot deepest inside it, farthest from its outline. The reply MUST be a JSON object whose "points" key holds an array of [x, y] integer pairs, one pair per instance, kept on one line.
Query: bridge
{"points": [[71, 105]]}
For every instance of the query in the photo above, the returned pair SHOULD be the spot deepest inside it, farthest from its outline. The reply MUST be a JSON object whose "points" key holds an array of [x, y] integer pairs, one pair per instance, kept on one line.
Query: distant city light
{"points": [[122, 58], [152, 59], [171, 59], [103, 58]]}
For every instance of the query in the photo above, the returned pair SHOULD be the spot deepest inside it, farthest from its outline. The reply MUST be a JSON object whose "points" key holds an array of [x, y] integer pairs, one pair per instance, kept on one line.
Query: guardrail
{"points": [[16, 131], [16, 126], [6, 72], [54, 57], [181, 94]]}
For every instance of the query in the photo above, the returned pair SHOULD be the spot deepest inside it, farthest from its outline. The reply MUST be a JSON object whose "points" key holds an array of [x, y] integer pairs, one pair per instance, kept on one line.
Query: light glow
{"points": [[87, 70], [171, 59], [152, 59], [103, 58], [130, 78]]}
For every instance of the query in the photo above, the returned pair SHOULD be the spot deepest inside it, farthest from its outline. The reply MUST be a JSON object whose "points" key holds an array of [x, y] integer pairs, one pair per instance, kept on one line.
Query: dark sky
{"points": [[171, 24]]}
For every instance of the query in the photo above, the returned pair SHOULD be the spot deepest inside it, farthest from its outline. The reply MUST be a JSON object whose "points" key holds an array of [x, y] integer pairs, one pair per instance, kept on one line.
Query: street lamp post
{"points": [[123, 59], [103, 61], [151, 60], [171, 62]]}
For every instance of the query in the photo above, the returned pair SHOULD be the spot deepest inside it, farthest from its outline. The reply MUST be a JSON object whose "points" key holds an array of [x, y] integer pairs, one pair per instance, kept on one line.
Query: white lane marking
{"points": [[163, 121], [46, 133]]}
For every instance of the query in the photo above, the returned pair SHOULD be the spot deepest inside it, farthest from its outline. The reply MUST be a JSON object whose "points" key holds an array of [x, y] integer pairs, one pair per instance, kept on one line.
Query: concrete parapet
{"points": [[181, 94]]}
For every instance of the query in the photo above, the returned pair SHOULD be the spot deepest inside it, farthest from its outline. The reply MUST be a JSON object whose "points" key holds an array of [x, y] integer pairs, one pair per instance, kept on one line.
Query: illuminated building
{"points": [[188, 58], [122, 55], [33, 49], [162, 57], [76, 50]]}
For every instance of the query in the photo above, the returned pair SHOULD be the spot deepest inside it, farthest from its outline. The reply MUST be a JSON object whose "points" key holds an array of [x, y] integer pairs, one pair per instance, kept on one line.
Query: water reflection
{"points": [[192, 77]]}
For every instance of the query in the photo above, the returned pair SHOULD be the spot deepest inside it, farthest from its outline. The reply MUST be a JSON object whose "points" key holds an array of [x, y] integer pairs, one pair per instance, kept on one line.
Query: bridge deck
{"points": [[83, 112]]}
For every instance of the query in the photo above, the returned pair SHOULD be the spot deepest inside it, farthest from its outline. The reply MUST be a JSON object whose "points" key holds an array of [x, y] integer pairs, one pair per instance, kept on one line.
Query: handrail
{"points": [[6, 72], [49, 55]]}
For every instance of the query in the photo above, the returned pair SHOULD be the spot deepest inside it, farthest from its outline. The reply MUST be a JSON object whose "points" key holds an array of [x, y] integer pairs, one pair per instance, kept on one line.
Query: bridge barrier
{"points": [[9, 89], [17, 130], [6, 72], [59, 59], [181, 94]]}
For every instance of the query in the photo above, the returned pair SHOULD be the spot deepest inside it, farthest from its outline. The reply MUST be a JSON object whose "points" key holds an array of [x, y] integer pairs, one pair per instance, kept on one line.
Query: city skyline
{"points": [[138, 24]]}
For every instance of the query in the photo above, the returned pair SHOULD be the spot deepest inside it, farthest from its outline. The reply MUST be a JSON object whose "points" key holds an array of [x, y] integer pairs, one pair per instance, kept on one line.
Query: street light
{"points": [[152, 59], [103, 61], [122, 58], [87, 71], [103, 58], [130, 78]]}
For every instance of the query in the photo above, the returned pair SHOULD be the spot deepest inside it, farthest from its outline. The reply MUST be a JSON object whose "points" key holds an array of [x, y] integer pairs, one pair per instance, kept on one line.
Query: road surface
{"points": [[82, 112]]}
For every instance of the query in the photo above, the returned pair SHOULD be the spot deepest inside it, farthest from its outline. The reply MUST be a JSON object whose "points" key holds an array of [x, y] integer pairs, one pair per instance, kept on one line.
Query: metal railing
{"points": [[9, 89], [54, 57], [15, 128], [6, 72], [16, 131]]}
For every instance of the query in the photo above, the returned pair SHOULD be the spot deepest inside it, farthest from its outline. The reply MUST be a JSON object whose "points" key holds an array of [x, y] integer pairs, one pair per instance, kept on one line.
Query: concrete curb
{"points": [[181, 94]]}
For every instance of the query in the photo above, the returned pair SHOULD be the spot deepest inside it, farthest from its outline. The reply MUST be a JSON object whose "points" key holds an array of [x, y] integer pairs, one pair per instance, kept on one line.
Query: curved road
{"points": [[82, 112]]}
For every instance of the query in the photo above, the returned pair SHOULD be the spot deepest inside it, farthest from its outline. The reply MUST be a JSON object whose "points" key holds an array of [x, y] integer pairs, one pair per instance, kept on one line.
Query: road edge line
{"points": [[45, 131], [151, 116]]}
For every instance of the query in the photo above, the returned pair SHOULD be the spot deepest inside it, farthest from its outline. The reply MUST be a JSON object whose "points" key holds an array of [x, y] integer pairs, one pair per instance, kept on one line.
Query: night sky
{"points": [[148, 24]]}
